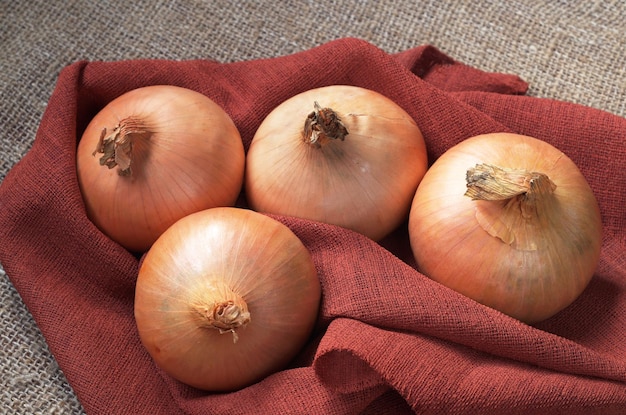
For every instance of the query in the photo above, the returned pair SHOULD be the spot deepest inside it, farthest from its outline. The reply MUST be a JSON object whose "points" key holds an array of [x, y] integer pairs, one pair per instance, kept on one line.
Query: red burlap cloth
{"points": [[389, 340]]}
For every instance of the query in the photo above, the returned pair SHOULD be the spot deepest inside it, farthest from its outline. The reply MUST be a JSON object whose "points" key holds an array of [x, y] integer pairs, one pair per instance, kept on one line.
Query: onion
{"points": [[225, 297], [340, 154], [509, 221], [162, 152]]}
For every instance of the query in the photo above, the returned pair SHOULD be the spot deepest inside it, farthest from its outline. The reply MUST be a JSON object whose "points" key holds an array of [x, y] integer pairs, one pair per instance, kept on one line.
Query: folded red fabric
{"points": [[389, 340]]}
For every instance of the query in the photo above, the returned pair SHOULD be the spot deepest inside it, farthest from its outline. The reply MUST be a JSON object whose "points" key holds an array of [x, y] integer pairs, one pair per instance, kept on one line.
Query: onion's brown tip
{"points": [[522, 207], [117, 147], [488, 182], [323, 125], [226, 316]]}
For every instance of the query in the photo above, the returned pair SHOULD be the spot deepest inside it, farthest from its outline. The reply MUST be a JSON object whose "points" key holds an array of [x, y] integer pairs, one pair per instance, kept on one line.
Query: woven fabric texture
{"points": [[574, 51]]}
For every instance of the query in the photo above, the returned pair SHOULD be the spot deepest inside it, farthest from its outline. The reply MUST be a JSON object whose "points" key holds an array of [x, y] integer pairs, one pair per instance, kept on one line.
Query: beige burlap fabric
{"points": [[572, 51]]}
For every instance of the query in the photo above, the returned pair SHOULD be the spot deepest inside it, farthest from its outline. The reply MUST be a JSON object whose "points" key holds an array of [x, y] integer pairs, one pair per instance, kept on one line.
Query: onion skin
{"points": [[529, 262], [186, 152], [218, 256], [360, 174]]}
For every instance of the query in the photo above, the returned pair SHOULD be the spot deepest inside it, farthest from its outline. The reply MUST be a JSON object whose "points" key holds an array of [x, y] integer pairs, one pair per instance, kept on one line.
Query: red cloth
{"points": [[389, 340]]}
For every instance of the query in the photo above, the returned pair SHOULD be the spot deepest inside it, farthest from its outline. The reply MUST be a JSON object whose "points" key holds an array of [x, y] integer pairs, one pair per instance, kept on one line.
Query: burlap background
{"points": [[573, 51]]}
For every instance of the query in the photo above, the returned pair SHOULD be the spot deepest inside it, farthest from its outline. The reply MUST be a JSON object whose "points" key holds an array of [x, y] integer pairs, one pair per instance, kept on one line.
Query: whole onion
{"points": [[225, 297], [509, 221], [340, 154], [154, 155]]}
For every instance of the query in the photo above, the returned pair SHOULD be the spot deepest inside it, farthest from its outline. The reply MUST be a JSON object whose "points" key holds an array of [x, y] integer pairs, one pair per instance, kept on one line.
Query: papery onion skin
{"points": [[531, 275], [188, 156], [363, 180], [214, 256]]}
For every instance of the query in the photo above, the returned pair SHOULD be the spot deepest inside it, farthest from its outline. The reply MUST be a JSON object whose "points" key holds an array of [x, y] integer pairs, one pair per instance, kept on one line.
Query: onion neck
{"points": [[117, 147], [322, 126], [518, 204], [225, 315]]}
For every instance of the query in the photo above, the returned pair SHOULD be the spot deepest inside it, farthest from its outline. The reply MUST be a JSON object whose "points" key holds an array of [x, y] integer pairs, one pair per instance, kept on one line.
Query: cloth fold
{"points": [[388, 340]]}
